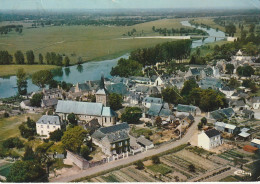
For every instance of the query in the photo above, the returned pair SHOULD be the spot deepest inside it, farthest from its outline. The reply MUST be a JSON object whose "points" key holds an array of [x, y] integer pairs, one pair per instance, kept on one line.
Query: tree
{"points": [[56, 135], [40, 58], [191, 168], [74, 138], [204, 121], [72, 119], [5, 58], [156, 159], [233, 83], [200, 126], [21, 81], [131, 115], [26, 171], [19, 57], [66, 61], [115, 101], [84, 151], [36, 100], [245, 71], [41, 78], [139, 165], [28, 128], [28, 154], [230, 68], [30, 57], [13, 142], [171, 95], [188, 86]]}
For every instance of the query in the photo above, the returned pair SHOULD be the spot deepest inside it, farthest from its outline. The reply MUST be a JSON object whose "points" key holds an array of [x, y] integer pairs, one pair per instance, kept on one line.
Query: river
{"points": [[92, 70]]}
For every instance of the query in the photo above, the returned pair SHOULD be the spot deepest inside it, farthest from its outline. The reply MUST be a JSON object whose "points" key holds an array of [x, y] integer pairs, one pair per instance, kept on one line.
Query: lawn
{"points": [[7, 70], [9, 126], [229, 179], [160, 168], [89, 42], [141, 131]]}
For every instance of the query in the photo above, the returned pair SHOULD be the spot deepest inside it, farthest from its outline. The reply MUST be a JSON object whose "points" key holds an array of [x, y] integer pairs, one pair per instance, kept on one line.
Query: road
{"points": [[130, 159]]}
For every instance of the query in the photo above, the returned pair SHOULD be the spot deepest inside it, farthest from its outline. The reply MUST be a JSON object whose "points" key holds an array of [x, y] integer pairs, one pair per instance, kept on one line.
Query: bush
{"points": [[155, 159], [6, 115], [139, 165], [56, 135], [13, 142]]}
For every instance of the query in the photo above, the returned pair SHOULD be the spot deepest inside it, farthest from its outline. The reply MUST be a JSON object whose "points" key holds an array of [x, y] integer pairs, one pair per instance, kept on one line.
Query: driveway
{"points": [[186, 138]]}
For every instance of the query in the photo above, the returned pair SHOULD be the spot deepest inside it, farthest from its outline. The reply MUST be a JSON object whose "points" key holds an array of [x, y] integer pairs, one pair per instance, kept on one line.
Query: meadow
{"points": [[88, 42], [9, 126], [7, 70]]}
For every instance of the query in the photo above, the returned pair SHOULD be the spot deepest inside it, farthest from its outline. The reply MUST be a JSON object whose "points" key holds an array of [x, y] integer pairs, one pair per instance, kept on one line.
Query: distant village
{"points": [[160, 122]]}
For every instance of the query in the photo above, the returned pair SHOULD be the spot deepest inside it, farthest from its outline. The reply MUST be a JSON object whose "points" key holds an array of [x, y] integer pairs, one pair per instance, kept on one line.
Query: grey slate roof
{"points": [[118, 88], [152, 100], [50, 102], [48, 119], [107, 111], [113, 133], [143, 141], [222, 113], [186, 108], [75, 107], [212, 133]]}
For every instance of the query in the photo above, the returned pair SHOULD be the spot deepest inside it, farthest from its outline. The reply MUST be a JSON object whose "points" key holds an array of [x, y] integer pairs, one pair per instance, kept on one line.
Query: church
{"points": [[87, 111]]}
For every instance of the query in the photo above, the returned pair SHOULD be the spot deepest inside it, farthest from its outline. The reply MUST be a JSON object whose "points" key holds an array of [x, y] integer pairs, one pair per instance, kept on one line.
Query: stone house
{"points": [[113, 139], [189, 109], [224, 127], [147, 101]]}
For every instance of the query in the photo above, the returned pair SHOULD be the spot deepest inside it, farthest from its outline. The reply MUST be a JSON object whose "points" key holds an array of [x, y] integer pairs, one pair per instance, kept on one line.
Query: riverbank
{"points": [[10, 70]]}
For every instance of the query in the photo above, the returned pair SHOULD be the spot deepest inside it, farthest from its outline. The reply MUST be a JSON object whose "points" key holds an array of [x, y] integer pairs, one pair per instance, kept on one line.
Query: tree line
{"points": [[181, 31], [6, 29], [166, 52], [51, 58]]}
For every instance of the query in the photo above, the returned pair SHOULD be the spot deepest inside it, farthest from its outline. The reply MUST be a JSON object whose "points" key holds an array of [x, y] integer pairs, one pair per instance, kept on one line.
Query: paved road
{"points": [[165, 147]]}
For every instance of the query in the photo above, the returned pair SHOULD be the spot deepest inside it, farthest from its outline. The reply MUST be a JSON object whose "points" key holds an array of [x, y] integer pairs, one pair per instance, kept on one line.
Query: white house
{"points": [[158, 81], [47, 124], [209, 139], [227, 91], [255, 102], [255, 143]]}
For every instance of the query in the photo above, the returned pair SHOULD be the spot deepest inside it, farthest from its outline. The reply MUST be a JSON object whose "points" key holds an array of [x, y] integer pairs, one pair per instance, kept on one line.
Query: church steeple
{"points": [[102, 82], [102, 93]]}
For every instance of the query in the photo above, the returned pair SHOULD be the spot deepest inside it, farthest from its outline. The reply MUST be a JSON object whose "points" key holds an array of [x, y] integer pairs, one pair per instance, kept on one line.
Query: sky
{"points": [[117, 4]]}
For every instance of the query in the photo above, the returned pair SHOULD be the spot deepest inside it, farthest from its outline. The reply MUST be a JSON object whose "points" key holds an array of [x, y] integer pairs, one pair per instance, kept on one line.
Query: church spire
{"points": [[102, 82]]}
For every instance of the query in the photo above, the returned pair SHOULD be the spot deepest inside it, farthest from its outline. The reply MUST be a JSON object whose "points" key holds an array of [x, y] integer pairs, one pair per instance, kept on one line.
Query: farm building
{"points": [[255, 143], [224, 127]]}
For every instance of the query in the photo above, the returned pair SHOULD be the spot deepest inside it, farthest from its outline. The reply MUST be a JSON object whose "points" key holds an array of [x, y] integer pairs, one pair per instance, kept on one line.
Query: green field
{"points": [[7, 70], [89, 42], [9, 126], [160, 168]]}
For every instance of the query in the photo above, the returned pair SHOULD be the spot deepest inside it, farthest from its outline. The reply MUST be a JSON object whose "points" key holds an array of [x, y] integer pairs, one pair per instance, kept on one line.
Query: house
{"points": [[161, 110], [47, 124], [248, 113], [147, 144], [113, 139], [86, 111], [239, 105], [256, 143], [209, 139], [158, 81], [150, 100], [224, 127], [210, 83], [52, 93], [221, 114], [140, 80], [188, 109], [119, 88], [49, 103], [255, 102], [227, 91]]}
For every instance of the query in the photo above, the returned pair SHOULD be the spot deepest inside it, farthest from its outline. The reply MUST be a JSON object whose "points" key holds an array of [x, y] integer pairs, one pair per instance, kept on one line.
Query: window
{"points": [[48, 126], [113, 145], [54, 126], [41, 126]]}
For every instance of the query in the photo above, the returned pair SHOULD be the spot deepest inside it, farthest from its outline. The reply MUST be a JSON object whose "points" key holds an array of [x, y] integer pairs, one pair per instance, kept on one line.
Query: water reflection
{"points": [[57, 72], [67, 71], [80, 68]]}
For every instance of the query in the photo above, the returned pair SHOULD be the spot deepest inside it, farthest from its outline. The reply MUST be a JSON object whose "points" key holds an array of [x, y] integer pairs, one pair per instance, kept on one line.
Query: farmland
{"points": [[173, 166], [88, 42]]}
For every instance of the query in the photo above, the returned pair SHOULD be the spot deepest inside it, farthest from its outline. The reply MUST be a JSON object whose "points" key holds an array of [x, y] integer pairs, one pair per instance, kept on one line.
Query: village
{"points": [[140, 122]]}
